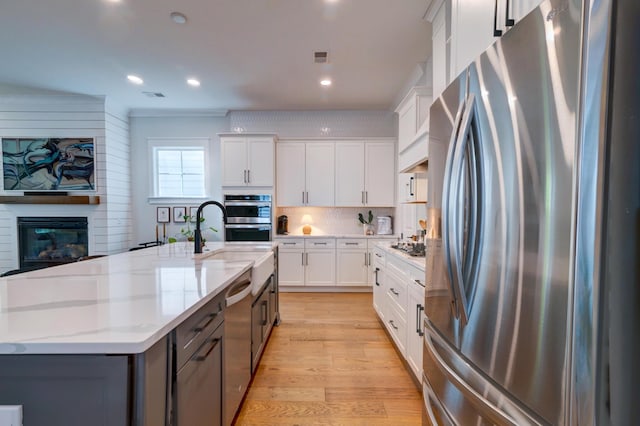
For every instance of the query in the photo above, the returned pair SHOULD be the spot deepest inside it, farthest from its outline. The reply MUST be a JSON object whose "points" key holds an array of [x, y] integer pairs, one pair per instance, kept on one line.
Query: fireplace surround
{"points": [[49, 241]]}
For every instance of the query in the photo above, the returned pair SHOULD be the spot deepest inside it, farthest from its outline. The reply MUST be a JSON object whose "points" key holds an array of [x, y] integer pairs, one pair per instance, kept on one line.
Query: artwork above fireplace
{"points": [[48, 164]]}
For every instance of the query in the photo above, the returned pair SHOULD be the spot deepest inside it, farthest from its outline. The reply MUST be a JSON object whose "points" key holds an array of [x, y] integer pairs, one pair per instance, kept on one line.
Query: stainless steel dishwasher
{"points": [[237, 345]]}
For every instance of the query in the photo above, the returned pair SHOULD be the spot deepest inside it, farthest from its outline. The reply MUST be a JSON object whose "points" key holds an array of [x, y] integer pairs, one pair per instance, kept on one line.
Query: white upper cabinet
{"points": [[476, 24], [247, 160], [472, 24], [521, 8], [320, 174], [365, 174], [440, 36], [379, 174], [305, 173], [413, 114], [349, 174], [412, 187]]}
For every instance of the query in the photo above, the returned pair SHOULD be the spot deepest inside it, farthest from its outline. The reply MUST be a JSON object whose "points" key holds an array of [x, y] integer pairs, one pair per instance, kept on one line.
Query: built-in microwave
{"points": [[248, 217]]}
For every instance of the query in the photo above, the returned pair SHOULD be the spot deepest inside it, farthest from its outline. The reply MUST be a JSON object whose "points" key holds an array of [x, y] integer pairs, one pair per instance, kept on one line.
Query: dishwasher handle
{"points": [[238, 291]]}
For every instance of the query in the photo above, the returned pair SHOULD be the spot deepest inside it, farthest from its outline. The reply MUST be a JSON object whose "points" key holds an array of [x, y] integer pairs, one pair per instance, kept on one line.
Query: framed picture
{"points": [[179, 213], [193, 210], [48, 164], [163, 215]]}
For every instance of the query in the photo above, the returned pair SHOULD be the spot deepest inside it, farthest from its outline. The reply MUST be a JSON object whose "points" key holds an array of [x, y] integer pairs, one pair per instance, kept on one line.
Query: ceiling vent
{"points": [[321, 57], [153, 94]]}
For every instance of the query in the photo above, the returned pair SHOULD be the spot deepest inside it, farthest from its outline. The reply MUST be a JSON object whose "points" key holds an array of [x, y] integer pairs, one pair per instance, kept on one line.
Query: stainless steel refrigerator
{"points": [[532, 282]]}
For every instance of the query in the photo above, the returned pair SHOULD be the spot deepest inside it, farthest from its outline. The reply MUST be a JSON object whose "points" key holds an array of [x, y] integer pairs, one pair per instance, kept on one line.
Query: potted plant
{"points": [[367, 224], [188, 232]]}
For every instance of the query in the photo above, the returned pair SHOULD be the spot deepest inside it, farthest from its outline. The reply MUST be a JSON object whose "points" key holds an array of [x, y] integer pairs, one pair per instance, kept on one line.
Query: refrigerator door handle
{"points": [[476, 398], [445, 202], [464, 265]]}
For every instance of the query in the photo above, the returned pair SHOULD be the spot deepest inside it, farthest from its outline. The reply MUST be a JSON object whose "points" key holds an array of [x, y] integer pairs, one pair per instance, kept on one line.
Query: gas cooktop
{"points": [[412, 249]]}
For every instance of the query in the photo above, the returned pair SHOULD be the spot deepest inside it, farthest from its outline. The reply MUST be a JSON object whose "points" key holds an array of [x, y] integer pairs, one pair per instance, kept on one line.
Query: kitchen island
{"points": [[97, 342]]}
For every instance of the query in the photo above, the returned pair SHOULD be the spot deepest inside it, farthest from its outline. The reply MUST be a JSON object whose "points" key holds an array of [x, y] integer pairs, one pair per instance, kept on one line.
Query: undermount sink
{"points": [[262, 269]]}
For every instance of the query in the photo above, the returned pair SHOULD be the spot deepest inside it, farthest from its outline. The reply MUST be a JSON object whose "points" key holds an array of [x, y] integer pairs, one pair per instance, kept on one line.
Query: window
{"points": [[180, 167]]}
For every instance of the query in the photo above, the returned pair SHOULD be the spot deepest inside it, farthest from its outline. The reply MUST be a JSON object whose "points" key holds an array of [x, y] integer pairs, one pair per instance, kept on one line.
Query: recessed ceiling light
{"points": [[325, 82], [135, 79], [178, 17], [193, 82]]}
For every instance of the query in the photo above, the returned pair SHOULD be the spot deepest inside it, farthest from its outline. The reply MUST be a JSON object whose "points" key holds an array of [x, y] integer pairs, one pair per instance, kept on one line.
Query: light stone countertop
{"points": [[419, 262], [122, 303], [370, 237]]}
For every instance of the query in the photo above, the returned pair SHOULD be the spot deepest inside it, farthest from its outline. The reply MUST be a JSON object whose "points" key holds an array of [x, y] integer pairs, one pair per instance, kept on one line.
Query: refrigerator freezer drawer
{"points": [[469, 397]]}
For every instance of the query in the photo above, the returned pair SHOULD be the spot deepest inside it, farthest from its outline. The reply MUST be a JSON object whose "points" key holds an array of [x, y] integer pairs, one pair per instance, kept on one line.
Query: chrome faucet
{"points": [[197, 236]]}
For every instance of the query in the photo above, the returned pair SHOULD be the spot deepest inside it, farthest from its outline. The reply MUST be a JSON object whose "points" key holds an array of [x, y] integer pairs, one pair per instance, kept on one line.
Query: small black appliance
{"points": [[283, 225]]}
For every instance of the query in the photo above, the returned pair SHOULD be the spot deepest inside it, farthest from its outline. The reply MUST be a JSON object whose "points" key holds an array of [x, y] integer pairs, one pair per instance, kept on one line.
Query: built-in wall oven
{"points": [[248, 217]]}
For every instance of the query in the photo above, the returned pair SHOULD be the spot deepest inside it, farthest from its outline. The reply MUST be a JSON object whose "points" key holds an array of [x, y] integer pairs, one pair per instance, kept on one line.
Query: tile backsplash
{"points": [[331, 220]]}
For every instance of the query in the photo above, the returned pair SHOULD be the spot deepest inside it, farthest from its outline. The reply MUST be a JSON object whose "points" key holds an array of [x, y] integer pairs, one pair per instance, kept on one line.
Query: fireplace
{"points": [[49, 241]]}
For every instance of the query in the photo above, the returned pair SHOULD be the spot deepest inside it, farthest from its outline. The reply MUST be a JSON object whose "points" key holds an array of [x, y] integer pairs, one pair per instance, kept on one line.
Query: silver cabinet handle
{"points": [[302, 197], [362, 196], [248, 176], [289, 244], [319, 244], [419, 282], [378, 255], [351, 244], [375, 272], [365, 260], [392, 324], [366, 197], [393, 291], [307, 197], [369, 258], [302, 254]]}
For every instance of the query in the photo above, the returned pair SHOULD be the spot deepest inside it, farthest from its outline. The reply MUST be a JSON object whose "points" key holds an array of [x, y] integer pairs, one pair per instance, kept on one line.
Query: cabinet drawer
{"points": [[415, 274], [396, 291], [291, 244], [397, 326], [318, 243], [352, 243], [378, 257], [193, 331]]}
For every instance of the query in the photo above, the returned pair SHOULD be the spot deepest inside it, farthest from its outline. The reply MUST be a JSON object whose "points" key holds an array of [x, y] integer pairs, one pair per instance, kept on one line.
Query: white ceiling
{"points": [[248, 54]]}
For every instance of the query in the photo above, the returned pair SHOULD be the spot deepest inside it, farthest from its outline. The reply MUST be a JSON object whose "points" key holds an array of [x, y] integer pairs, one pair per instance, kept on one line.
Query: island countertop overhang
{"points": [[118, 304]]}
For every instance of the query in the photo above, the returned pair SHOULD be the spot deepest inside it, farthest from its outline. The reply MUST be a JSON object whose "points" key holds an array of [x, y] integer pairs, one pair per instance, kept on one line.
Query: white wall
{"points": [[307, 124], [285, 124], [144, 127], [66, 116]]}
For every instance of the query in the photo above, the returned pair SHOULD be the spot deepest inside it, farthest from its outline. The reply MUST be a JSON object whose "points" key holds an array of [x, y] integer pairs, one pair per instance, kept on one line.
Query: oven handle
{"points": [[256, 226], [248, 203]]}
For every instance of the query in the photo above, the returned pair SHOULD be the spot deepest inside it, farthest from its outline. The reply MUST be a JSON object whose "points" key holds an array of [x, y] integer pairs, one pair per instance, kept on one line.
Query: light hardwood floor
{"points": [[330, 363]]}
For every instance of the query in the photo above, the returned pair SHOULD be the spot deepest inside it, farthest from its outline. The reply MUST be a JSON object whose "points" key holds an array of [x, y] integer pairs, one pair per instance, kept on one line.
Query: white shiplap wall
{"points": [[118, 224], [71, 116]]}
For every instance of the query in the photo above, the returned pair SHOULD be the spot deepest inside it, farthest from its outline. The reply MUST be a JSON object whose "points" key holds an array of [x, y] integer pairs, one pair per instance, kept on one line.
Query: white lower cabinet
{"points": [[291, 263], [320, 262], [352, 262], [306, 262], [379, 286], [415, 317], [398, 298], [396, 310], [328, 262]]}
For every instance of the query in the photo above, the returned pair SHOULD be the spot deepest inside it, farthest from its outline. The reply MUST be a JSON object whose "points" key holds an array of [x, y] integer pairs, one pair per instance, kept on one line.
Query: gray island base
{"points": [[144, 350]]}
